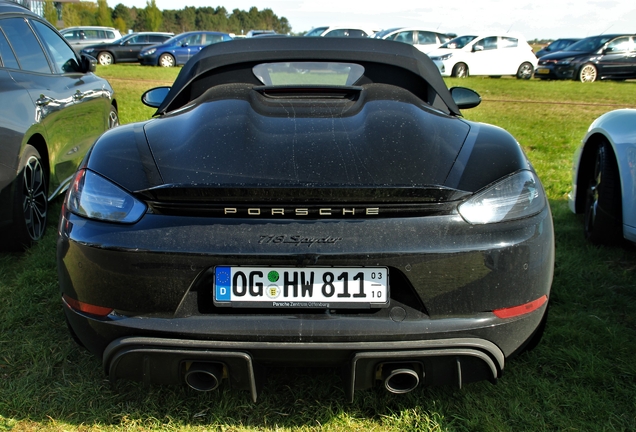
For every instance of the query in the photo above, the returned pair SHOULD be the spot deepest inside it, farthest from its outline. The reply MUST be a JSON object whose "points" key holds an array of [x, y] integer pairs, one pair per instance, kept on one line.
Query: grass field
{"points": [[582, 377]]}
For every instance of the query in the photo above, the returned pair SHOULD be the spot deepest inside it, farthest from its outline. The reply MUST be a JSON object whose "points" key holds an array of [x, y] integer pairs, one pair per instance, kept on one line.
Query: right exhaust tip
{"points": [[400, 379], [202, 376]]}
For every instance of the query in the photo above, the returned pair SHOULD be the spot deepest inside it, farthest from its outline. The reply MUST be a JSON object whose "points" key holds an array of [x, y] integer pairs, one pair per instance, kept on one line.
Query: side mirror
{"points": [[154, 97], [185, 44], [478, 48], [88, 63], [465, 98]]}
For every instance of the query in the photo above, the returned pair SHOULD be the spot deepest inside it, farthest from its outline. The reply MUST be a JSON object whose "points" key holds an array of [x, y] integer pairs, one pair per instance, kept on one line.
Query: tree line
{"points": [[151, 18]]}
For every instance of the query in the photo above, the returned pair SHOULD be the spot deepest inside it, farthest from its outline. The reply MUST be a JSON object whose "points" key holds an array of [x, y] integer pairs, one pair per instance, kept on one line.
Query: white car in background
{"points": [[341, 30], [493, 55], [424, 40], [604, 178]]}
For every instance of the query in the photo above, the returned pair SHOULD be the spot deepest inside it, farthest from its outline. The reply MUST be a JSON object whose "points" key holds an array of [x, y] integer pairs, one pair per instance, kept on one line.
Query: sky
{"points": [[534, 19]]}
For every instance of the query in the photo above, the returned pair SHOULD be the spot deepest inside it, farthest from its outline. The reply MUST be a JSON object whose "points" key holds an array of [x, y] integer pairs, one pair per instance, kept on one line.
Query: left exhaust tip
{"points": [[202, 376]]}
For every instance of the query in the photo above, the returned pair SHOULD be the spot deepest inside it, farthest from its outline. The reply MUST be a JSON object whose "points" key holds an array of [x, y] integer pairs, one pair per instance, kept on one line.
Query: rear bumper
{"points": [[167, 361], [446, 278]]}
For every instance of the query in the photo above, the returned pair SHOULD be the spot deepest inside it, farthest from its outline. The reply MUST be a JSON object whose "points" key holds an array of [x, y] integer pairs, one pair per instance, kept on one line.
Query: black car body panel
{"points": [[126, 49], [52, 103], [609, 62], [371, 175]]}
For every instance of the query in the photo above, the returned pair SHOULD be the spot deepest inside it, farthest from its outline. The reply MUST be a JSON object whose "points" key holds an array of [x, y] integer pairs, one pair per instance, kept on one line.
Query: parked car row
{"points": [[587, 60], [125, 49]]}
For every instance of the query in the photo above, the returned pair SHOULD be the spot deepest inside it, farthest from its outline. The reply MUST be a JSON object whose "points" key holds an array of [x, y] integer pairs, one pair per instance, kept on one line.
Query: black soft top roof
{"points": [[384, 61]]}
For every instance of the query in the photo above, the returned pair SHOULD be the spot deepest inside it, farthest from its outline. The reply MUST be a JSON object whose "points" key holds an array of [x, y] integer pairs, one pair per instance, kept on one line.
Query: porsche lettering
{"points": [[286, 211]]}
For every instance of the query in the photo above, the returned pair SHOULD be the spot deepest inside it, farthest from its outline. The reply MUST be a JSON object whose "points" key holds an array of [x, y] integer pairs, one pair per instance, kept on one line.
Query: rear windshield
{"points": [[308, 73]]}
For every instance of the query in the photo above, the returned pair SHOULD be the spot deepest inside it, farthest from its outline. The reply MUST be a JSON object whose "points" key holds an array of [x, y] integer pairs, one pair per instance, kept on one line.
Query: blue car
{"points": [[178, 49]]}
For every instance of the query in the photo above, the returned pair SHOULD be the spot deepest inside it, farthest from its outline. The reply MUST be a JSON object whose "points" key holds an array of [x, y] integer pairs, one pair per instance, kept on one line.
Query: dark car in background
{"points": [[593, 58], [557, 45], [126, 49], [180, 48], [53, 110], [316, 202]]}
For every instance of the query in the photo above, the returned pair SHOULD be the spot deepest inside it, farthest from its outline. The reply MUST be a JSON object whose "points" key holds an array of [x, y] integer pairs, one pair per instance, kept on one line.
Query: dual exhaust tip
{"points": [[398, 378]]}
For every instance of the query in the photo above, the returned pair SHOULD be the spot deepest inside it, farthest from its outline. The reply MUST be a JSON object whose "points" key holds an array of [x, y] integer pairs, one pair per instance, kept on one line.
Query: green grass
{"points": [[582, 377]]}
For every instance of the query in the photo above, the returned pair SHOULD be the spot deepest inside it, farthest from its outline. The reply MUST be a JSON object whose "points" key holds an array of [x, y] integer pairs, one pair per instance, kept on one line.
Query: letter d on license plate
{"points": [[309, 287]]}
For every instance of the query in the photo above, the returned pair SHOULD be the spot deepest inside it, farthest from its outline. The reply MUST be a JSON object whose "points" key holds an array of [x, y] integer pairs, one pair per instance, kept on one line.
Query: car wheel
{"points": [[30, 202], [525, 71], [113, 118], [603, 209], [166, 60], [105, 58], [588, 73], [460, 70]]}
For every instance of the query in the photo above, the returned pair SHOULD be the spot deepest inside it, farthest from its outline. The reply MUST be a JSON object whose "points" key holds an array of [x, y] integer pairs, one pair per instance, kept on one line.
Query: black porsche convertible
{"points": [[306, 202]]}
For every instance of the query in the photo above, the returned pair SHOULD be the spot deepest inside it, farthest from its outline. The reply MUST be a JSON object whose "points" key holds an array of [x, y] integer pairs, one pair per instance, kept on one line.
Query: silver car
{"points": [[82, 36]]}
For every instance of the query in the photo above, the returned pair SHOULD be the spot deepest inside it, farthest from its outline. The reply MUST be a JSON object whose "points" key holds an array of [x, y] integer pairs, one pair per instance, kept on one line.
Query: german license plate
{"points": [[307, 287], [543, 71]]}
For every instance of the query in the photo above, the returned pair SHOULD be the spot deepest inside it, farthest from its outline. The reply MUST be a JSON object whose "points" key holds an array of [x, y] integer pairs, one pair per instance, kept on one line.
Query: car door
{"points": [[188, 47], [130, 49], [617, 59], [483, 58], [71, 106]]}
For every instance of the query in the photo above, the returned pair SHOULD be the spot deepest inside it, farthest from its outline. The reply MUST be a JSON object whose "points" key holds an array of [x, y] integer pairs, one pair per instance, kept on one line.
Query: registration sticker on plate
{"points": [[307, 287]]}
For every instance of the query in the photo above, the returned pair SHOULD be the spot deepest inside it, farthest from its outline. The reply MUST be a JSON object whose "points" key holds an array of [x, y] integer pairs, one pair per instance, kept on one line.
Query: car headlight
{"points": [[88, 50], [565, 61], [93, 197], [515, 197], [442, 57], [149, 52]]}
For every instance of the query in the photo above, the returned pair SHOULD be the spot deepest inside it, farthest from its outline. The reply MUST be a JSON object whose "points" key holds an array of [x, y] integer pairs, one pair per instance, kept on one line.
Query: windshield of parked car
{"points": [[458, 42], [172, 40], [589, 44], [122, 39], [308, 73], [382, 33], [316, 32]]}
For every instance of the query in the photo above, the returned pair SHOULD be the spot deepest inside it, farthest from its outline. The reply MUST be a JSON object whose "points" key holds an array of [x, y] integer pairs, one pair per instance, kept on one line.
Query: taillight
{"points": [[85, 307], [523, 309]]}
